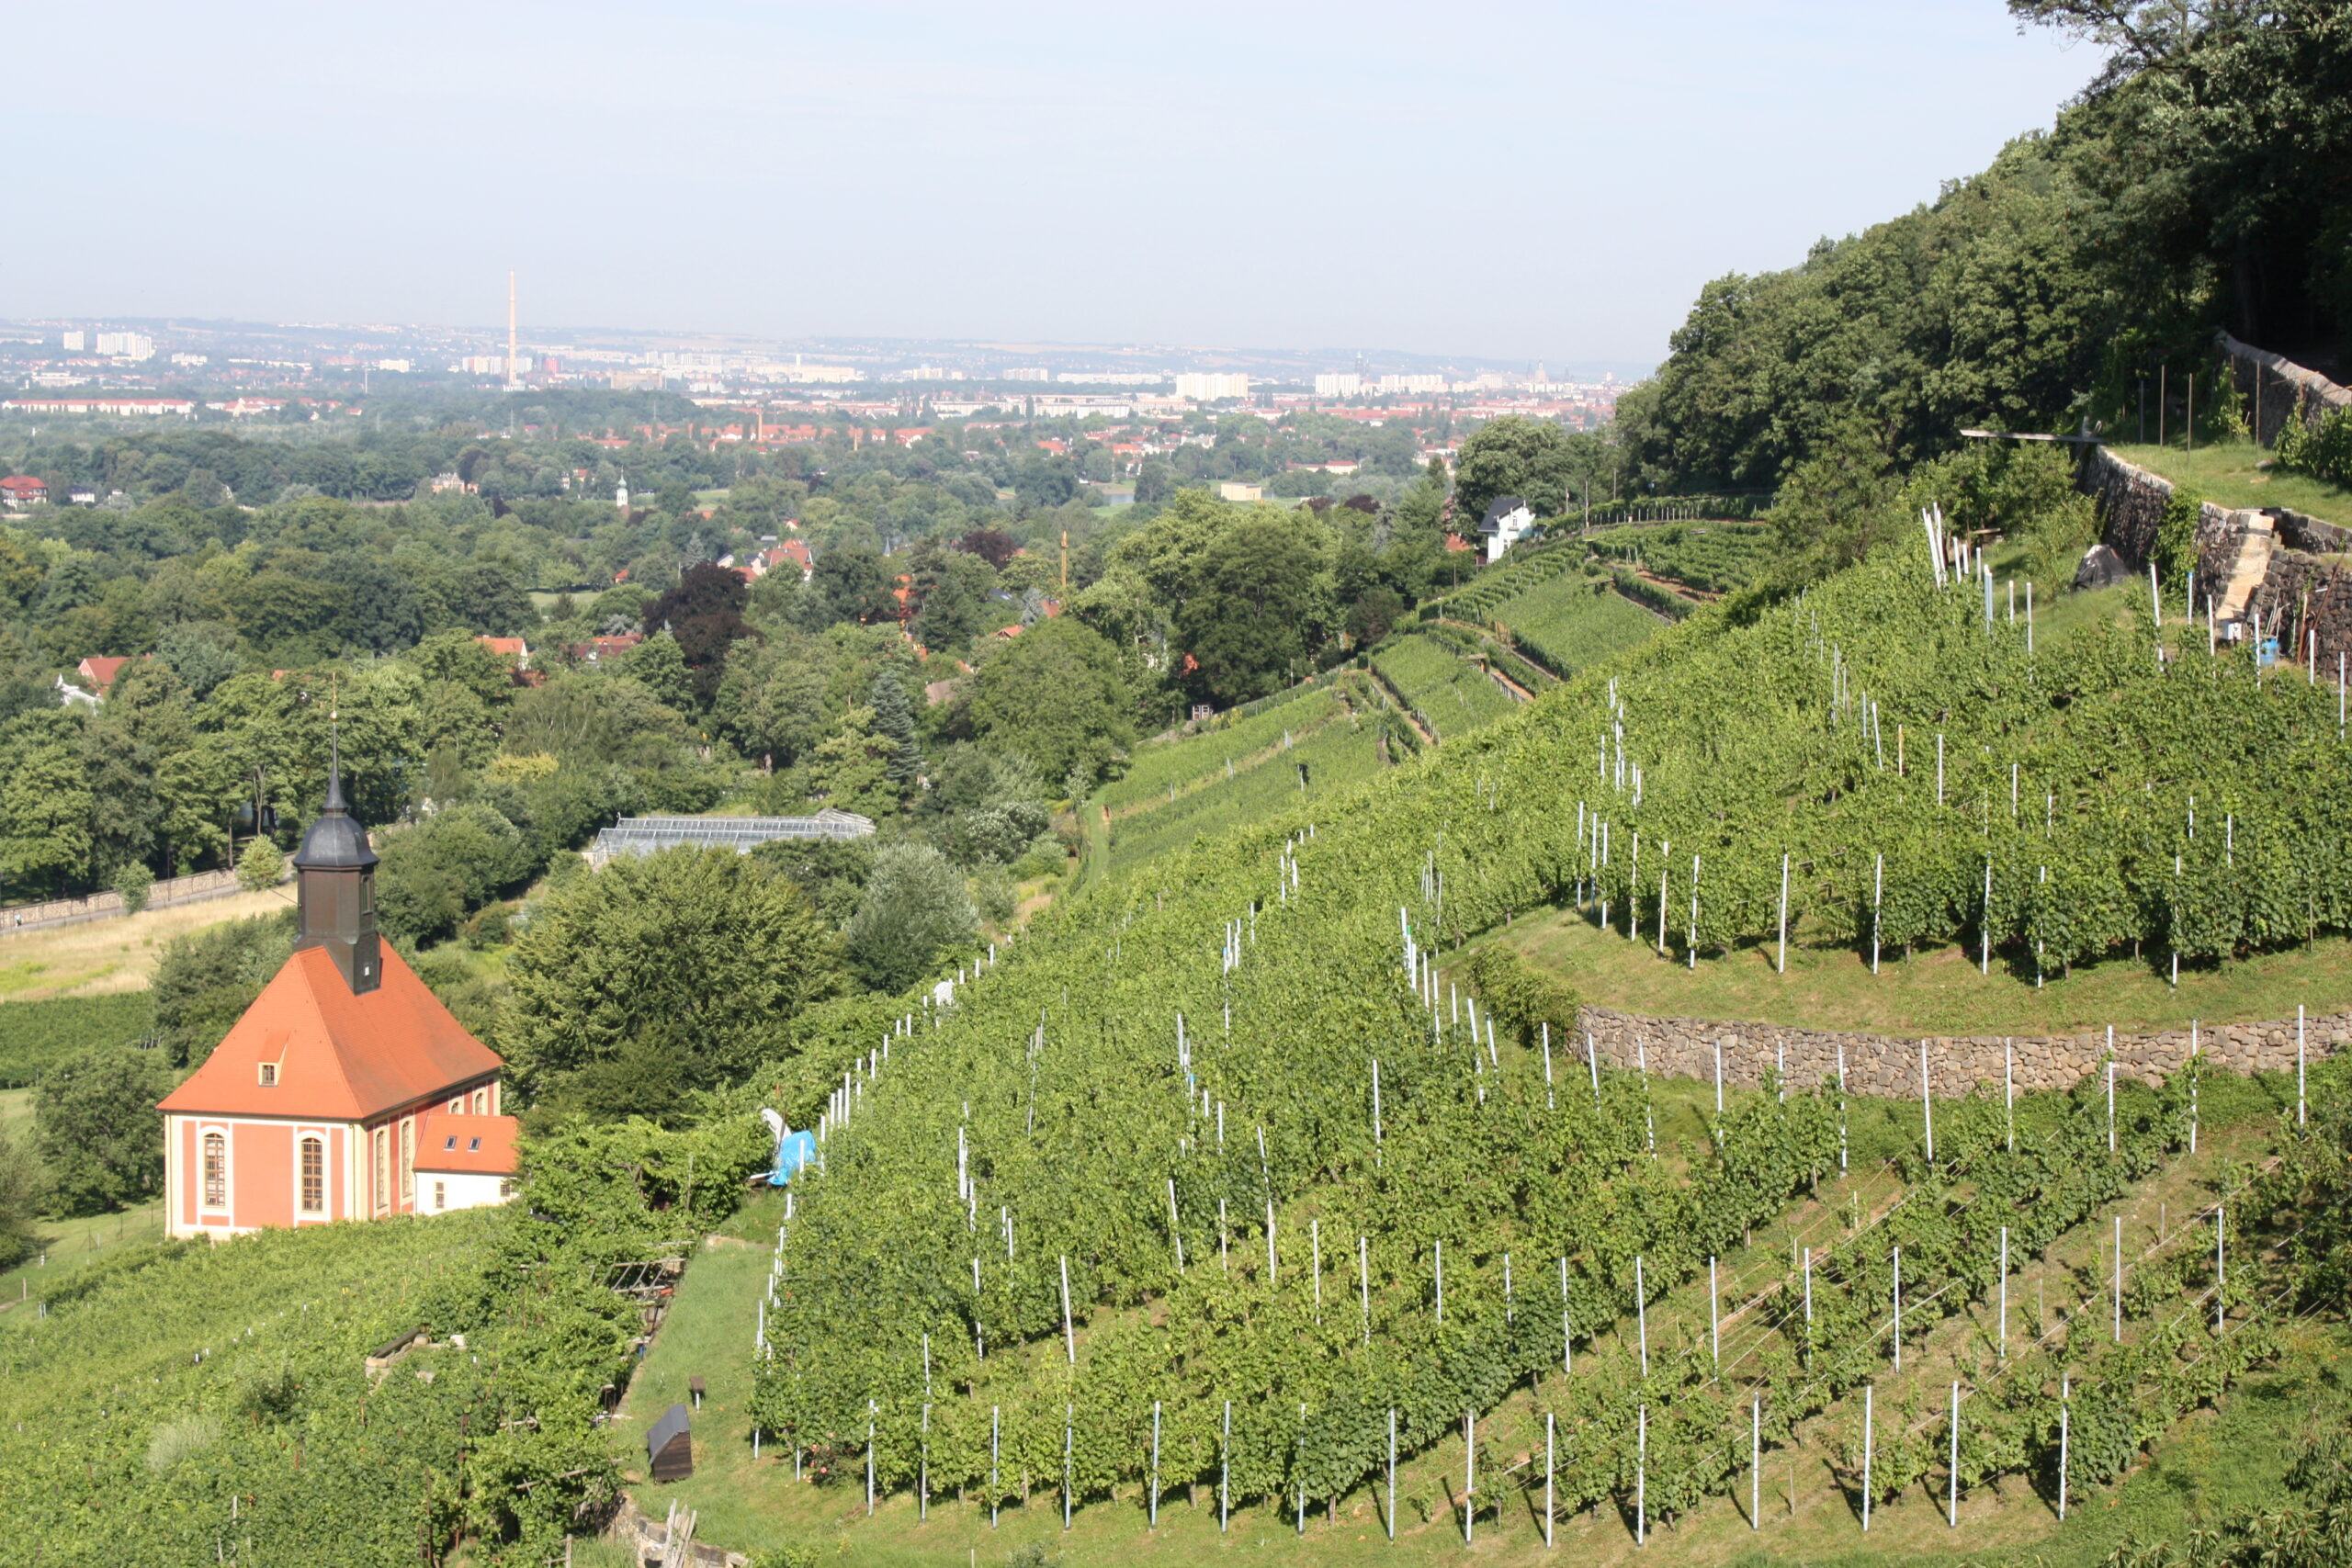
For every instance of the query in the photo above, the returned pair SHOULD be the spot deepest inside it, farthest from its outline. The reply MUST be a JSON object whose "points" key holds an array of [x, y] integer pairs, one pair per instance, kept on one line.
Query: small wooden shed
{"points": [[670, 1446]]}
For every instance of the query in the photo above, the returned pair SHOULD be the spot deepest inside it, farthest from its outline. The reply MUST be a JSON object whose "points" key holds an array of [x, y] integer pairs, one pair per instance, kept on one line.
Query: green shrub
{"points": [[262, 864], [2322, 450], [1524, 998], [134, 882], [2176, 551]]}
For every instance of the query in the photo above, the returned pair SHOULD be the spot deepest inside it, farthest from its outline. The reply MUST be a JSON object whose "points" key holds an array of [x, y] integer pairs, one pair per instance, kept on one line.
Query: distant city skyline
{"points": [[1525, 183]]}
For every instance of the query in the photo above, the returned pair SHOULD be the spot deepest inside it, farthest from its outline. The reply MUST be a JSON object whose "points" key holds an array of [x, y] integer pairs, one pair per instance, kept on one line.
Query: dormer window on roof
{"points": [[473, 1145], [269, 1074], [450, 1142]]}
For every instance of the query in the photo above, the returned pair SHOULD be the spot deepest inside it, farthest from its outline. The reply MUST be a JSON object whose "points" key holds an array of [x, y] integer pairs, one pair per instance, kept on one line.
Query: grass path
{"points": [[1936, 992]]}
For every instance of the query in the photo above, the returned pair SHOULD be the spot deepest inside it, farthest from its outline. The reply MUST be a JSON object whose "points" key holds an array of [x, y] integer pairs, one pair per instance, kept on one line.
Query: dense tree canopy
{"points": [[658, 976], [2200, 182]]}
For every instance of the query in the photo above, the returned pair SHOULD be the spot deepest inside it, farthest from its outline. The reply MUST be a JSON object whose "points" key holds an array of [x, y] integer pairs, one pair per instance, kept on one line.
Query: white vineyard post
{"points": [[2301, 1119], [2192, 1085], [1549, 1420], [1592, 1060], [1756, 1464], [2110, 1088], [1642, 1314], [1641, 1474], [1225, 1472], [1270, 1280], [2009, 1089], [1302, 1470], [1898, 1309], [1155, 1464], [1842, 1108], [870, 1459], [1782, 963], [2003, 1330], [1808, 1299], [2064, 1435], [1984, 924], [1714, 1320], [1568, 1344], [1469, 1475], [1951, 1503], [1868, 1393], [2221, 1310], [1693, 955], [1719, 1079], [1363, 1283], [1392, 1474], [1878, 903], [1070, 1335], [1069, 1455], [996, 1438], [1173, 1221], [1927, 1105]]}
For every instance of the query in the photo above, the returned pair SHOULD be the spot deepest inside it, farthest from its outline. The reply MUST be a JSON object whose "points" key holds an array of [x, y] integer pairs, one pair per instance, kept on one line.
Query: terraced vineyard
{"points": [[1216, 1176], [1715, 558], [1445, 689], [1303, 749], [1569, 623]]}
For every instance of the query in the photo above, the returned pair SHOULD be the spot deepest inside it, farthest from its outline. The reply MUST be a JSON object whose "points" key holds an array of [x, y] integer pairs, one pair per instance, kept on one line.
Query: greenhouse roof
{"points": [[645, 835]]}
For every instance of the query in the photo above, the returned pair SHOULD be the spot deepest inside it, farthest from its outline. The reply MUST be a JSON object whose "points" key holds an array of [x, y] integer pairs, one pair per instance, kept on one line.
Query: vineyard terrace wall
{"points": [[2301, 592], [2277, 389], [1889, 1065]]}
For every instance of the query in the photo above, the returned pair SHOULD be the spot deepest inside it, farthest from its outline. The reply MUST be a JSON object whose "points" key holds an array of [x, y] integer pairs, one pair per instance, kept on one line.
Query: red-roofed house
{"points": [[22, 490], [795, 551], [463, 1161], [98, 671], [603, 648], [315, 1107], [512, 647]]}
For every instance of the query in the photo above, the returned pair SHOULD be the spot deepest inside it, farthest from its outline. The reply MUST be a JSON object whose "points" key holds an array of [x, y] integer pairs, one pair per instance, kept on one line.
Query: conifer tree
{"points": [[894, 720]]}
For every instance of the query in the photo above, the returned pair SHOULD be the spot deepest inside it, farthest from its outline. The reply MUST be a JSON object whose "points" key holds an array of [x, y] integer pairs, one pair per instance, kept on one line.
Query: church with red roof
{"points": [[347, 1091]]}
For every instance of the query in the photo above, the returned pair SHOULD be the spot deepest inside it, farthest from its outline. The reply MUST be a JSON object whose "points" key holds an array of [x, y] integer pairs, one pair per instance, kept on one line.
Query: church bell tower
{"points": [[337, 888]]}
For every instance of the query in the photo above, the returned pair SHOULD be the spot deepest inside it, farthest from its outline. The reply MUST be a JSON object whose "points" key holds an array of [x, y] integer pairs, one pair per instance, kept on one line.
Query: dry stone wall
{"points": [[2277, 390], [1889, 1065], [2302, 592]]}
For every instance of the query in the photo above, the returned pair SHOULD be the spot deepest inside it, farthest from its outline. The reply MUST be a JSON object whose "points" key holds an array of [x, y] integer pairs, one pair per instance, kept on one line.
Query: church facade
{"points": [[347, 1091]]}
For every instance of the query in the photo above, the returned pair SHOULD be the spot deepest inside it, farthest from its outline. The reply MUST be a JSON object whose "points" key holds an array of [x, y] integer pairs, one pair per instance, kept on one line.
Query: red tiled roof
{"points": [[473, 1145], [100, 668], [340, 1057]]}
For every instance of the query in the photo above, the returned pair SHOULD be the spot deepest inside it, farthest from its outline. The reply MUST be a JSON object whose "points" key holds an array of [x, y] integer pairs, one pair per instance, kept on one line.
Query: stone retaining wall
{"points": [[1889, 1065], [2277, 389], [2131, 504], [647, 1539], [2299, 593]]}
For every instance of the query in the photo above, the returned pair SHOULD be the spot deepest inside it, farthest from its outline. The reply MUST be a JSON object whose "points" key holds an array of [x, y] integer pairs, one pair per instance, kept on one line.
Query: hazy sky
{"points": [[1514, 180]]}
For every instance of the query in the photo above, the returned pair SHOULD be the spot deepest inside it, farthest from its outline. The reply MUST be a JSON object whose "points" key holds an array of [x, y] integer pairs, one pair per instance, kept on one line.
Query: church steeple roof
{"points": [[336, 842]]}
